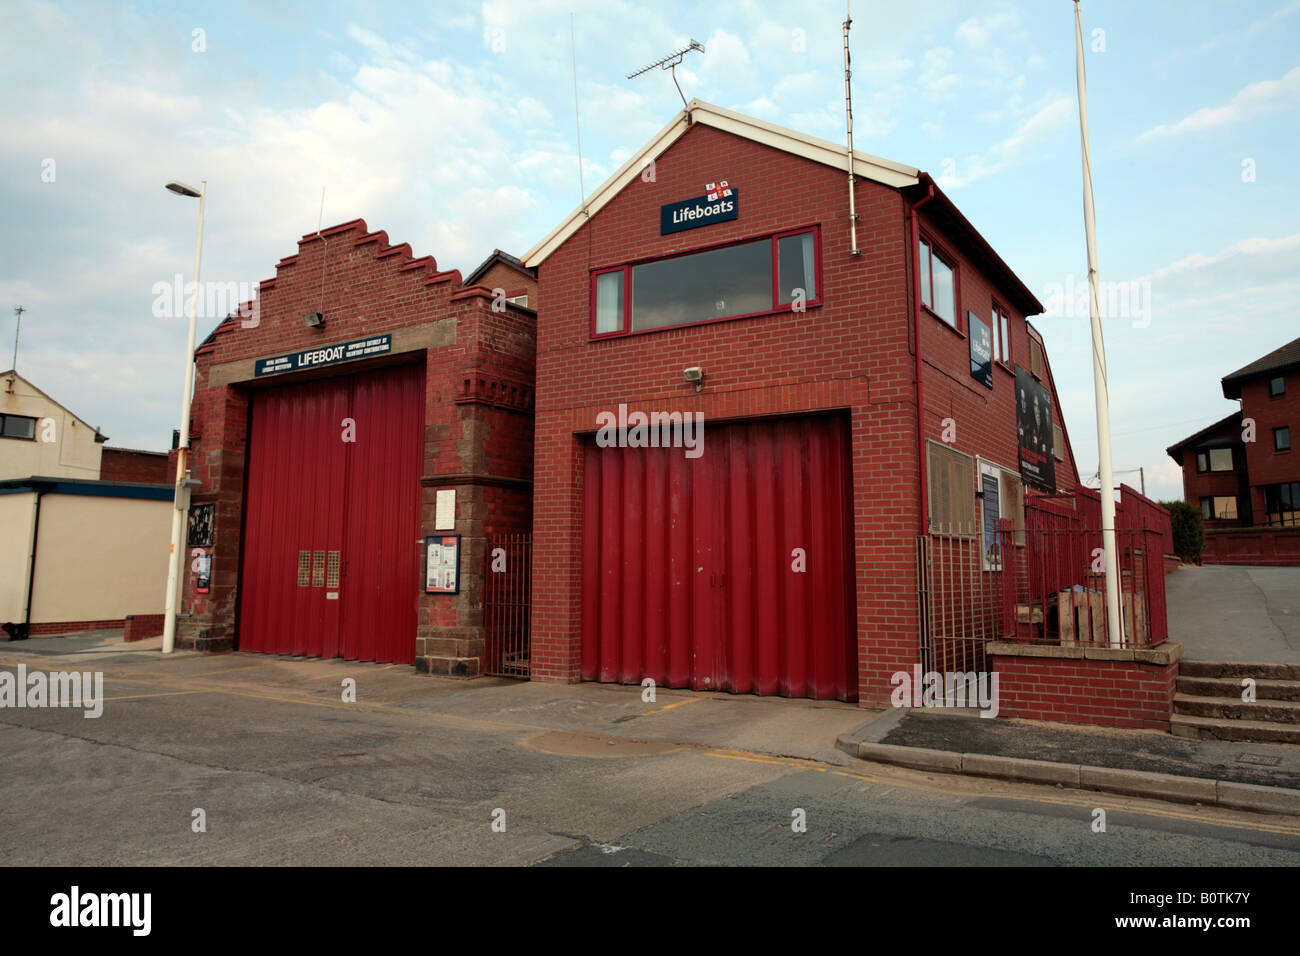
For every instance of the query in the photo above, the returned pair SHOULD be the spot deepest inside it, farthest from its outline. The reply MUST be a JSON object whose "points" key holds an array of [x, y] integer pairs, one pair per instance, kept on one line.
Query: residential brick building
{"points": [[1243, 472]]}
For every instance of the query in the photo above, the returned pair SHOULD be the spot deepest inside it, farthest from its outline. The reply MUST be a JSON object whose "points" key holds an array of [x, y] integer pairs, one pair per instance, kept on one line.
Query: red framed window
{"points": [[1001, 335], [938, 281], [774, 273]]}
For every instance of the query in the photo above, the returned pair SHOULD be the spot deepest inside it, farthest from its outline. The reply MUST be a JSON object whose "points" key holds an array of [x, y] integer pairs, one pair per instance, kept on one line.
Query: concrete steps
{"points": [[1208, 702]]}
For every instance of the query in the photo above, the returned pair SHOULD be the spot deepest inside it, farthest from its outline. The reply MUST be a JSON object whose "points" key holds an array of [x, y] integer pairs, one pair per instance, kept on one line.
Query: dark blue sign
{"points": [[693, 213], [981, 350], [324, 355]]}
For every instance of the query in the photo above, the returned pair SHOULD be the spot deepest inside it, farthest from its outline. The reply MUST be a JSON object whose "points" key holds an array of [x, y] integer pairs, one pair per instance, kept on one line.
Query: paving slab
{"points": [[1276, 765]]}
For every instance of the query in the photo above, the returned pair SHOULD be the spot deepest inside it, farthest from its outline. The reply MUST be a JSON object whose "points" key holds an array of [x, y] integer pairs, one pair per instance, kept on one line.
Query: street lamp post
{"points": [[180, 512]]}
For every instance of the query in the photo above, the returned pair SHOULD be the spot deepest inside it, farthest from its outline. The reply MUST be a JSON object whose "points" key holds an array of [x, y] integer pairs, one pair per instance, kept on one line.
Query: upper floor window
{"points": [[775, 274], [938, 282], [1277, 386], [1214, 459], [1282, 439], [1036, 358], [17, 426], [1001, 335]]}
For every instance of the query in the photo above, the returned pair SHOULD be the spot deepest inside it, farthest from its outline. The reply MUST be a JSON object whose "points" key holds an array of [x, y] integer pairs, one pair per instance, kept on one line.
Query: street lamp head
{"points": [[181, 189]]}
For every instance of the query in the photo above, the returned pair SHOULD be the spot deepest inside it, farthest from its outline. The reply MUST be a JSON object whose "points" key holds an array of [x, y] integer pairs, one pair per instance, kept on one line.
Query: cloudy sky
{"points": [[451, 126]]}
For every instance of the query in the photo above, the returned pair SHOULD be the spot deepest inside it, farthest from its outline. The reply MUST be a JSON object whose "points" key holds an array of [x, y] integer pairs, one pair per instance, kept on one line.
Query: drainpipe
{"points": [[23, 630], [916, 349]]}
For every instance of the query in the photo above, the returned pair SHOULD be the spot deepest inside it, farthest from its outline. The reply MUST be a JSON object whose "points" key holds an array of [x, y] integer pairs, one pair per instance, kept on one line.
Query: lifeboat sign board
{"points": [[324, 355], [702, 211]]}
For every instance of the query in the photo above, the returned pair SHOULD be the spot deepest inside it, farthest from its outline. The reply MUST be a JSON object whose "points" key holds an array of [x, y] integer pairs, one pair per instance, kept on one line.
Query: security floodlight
{"points": [[313, 320], [694, 374], [181, 189]]}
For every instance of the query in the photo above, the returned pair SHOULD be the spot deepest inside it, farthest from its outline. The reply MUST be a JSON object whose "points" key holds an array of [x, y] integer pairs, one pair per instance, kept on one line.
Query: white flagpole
{"points": [[1114, 625]]}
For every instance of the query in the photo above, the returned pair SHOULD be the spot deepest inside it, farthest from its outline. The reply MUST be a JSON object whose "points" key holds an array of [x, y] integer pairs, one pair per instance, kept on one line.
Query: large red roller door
{"points": [[687, 564], [330, 559]]}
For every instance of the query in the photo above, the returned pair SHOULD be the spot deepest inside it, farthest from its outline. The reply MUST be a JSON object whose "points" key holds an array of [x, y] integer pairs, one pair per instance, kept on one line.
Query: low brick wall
{"points": [[140, 626], [1086, 684], [73, 627], [1277, 547]]}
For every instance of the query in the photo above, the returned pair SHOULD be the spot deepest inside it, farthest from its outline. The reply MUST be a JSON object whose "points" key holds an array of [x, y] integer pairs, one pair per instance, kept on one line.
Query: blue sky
{"points": [[451, 126]]}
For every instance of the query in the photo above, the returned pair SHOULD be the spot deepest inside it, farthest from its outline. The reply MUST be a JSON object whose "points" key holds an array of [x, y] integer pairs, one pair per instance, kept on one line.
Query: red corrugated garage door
{"points": [[330, 559], [687, 563]]}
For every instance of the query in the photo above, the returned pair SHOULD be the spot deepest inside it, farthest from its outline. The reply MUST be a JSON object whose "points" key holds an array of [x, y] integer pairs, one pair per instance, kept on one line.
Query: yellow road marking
{"points": [[368, 670], [793, 763], [676, 703], [170, 693]]}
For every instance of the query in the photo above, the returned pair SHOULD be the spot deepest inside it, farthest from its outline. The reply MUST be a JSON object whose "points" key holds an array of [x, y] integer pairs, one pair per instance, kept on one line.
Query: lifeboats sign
{"points": [[324, 355], [703, 211]]}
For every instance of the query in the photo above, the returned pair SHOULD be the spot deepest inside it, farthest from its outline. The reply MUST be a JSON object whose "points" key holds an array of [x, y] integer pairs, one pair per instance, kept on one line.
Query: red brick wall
{"points": [[1276, 547], [73, 627], [985, 419], [852, 353], [512, 281], [1108, 693], [121, 464], [140, 626]]}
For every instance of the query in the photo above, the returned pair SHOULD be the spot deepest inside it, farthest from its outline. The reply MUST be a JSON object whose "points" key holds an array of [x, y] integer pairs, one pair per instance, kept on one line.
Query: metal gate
{"points": [[508, 566]]}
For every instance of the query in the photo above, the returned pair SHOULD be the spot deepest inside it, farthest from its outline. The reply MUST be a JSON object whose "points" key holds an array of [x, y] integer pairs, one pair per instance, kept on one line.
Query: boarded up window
{"points": [[1058, 443], [952, 490], [1035, 357]]}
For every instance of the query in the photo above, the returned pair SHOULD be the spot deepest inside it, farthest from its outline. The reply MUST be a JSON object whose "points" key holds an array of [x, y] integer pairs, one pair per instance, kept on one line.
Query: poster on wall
{"points": [[200, 530], [1034, 427], [442, 564], [981, 350]]}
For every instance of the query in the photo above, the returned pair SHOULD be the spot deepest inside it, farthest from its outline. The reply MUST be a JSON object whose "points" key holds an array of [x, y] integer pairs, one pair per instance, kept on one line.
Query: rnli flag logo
{"points": [[718, 190]]}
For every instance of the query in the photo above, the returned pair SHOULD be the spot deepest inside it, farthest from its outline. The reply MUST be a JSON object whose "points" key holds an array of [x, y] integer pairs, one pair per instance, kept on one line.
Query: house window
{"points": [[775, 274], [951, 480], [1214, 459], [1036, 358], [17, 426], [1219, 507], [1282, 439], [1001, 335], [1282, 503], [938, 282], [518, 300], [1058, 443], [1277, 386]]}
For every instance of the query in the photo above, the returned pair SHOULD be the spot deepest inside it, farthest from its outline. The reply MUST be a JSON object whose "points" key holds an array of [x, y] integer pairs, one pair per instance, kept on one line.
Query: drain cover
{"points": [[1261, 759]]}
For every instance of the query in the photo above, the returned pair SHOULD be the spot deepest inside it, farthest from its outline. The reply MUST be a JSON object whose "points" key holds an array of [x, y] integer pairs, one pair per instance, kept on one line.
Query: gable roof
{"points": [[505, 259], [865, 165], [1278, 360], [6, 376], [1173, 450], [912, 182]]}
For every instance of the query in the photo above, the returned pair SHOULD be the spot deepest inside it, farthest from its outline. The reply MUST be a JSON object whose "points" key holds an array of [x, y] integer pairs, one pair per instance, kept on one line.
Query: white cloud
{"points": [[1044, 121], [1255, 98]]}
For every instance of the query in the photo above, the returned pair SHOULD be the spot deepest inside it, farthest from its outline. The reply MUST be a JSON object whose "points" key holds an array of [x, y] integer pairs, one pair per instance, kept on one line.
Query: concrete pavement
{"points": [[417, 770], [1226, 613]]}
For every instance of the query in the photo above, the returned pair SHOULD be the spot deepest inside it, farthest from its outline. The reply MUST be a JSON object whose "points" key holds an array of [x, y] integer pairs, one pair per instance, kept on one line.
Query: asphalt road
{"points": [[417, 771]]}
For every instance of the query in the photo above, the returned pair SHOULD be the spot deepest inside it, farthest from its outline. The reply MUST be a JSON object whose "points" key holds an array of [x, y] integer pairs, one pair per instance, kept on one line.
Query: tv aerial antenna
{"points": [[669, 63]]}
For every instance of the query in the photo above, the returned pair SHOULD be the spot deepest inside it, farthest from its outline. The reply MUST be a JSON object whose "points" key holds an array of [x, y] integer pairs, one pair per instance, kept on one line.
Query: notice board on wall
{"points": [[442, 564]]}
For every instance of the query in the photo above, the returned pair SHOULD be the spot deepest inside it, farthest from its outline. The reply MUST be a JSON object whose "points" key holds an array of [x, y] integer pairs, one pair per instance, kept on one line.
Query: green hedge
{"points": [[1189, 532]]}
